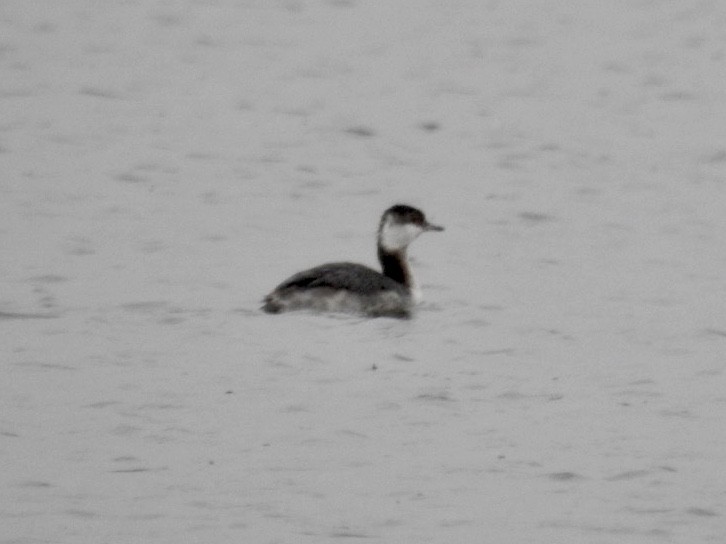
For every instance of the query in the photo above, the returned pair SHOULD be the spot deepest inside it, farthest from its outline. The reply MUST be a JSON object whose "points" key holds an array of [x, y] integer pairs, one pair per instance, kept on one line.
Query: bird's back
{"points": [[340, 287]]}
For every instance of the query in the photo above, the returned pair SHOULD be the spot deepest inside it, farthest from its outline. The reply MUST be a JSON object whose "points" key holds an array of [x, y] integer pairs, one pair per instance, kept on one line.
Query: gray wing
{"points": [[347, 276]]}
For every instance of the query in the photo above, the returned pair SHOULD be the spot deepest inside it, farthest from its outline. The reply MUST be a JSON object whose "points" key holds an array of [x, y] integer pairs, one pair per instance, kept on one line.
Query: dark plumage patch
{"points": [[403, 213], [393, 266], [348, 276]]}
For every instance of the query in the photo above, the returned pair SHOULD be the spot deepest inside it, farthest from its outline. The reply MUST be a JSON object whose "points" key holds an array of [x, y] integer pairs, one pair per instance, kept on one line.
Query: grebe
{"points": [[350, 287]]}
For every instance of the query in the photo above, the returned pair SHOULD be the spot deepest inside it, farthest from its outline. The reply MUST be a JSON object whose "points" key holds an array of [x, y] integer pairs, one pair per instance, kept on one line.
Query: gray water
{"points": [[165, 164]]}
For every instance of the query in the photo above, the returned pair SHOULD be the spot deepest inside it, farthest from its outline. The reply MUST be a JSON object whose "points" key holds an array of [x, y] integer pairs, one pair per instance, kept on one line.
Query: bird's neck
{"points": [[395, 266]]}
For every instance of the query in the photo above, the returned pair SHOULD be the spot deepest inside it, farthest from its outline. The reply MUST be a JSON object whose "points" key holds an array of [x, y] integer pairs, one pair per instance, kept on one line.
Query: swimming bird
{"points": [[355, 288]]}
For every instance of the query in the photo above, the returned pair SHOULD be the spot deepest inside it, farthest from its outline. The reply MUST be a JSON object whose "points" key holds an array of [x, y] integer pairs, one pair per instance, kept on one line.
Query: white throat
{"points": [[397, 236]]}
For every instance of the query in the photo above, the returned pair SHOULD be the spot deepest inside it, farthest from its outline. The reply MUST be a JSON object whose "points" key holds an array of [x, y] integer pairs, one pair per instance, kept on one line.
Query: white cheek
{"points": [[413, 232], [397, 237]]}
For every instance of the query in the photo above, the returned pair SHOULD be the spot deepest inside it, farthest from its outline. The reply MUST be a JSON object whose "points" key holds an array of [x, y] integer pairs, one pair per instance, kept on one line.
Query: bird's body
{"points": [[355, 288]]}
